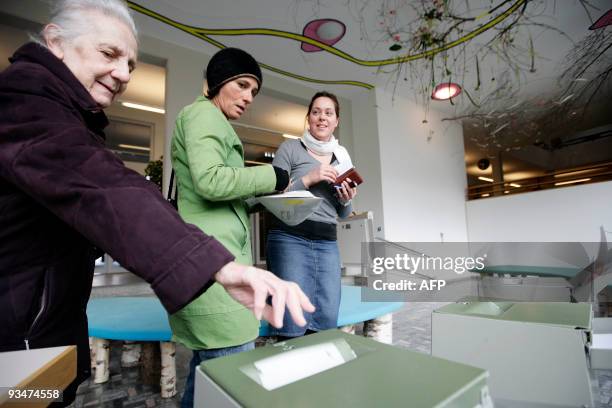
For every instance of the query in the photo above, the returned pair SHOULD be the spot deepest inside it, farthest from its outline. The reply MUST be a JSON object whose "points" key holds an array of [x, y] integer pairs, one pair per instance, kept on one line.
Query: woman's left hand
{"points": [[346, 193]]}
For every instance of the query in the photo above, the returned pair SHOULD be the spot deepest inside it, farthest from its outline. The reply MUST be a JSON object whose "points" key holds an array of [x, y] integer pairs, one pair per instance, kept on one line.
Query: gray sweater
{"points": [[293, 157]]}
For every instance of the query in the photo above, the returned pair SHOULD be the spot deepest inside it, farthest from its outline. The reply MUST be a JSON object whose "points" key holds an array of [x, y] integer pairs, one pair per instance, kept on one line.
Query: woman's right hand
{"points": [[324, 172], [251, 287]]}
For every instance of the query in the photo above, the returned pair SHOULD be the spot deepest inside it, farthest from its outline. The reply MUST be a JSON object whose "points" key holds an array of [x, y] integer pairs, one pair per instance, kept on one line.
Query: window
{"points": [[131, 141]]}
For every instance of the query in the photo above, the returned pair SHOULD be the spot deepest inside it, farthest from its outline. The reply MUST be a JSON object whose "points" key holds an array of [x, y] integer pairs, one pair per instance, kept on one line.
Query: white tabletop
{"points": [[19, 365]]}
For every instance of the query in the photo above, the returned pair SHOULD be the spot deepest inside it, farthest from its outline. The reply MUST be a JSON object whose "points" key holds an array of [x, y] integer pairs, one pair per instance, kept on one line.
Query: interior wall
{"points": [[569, 214], [10, 39], [367, 158], [423, 172]]}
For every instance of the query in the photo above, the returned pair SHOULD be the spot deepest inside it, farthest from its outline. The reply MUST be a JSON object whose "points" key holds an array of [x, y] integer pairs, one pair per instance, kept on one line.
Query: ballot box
{"points": [[339, 370], [536, 353], [601, 344]]}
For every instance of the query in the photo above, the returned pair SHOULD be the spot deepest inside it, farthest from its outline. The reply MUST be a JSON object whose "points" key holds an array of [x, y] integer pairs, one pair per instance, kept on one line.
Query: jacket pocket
{"points": [[44, 305], [240, 211]]}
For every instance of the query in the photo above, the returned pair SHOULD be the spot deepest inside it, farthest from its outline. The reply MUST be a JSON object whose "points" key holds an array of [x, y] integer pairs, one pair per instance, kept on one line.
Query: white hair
{"points": [[73, 17]]}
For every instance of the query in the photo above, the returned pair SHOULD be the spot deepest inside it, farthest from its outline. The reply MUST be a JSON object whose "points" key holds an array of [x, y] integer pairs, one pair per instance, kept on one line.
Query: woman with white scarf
{"points": [[308, 252]]}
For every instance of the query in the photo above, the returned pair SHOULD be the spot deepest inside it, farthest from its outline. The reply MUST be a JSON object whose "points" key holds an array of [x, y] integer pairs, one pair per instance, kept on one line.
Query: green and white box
{"points": [[535, 352], [371, 374], [601, 346]]}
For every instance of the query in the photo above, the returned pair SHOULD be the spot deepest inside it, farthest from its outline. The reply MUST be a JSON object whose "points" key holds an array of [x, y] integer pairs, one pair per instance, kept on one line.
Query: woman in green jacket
{"points": [[208, 159]]}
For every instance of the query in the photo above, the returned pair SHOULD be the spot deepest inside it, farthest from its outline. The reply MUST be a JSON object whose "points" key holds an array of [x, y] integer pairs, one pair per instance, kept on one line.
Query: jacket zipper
{"points": [[43, 301]]}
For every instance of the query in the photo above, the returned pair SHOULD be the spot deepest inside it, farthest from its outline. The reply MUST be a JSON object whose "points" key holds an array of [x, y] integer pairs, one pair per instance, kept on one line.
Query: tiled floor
{"points": [[412, 330]]}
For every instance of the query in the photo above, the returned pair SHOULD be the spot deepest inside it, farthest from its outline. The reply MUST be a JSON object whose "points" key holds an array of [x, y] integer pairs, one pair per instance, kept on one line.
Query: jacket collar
{"points": [[36, 53]]}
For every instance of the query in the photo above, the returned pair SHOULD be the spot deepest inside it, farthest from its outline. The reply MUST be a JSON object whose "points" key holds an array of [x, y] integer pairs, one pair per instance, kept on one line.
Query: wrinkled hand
{"points": [[346, 193], [323, 172], [251, 287]]}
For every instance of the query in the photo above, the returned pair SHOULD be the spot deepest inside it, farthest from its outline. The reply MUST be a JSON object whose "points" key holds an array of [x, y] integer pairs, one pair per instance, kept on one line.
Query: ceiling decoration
{"points": [[445, 90], [326, 30], [550, 121], [587, 69], [429, 44], [206, 34], [603, 21], [444, 41]]}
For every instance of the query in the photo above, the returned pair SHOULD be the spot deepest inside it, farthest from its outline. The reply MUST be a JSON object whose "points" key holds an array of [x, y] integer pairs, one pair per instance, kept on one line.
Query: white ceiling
{"points": [[367, 40], [540, 44]]}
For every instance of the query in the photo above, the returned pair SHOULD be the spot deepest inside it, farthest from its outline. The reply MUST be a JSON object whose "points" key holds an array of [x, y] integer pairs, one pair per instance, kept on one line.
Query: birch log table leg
{"points": [[380, 328], [134, 319], [167, 380], [101, 351], [130, 354]]}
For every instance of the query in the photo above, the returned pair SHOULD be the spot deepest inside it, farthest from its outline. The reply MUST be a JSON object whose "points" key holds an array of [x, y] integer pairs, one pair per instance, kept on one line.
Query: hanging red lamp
{"points": [[445, 91]]}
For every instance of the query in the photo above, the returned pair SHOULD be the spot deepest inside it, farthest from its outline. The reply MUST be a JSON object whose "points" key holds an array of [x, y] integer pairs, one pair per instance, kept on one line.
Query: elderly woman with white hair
{"points": [[64, 197]]}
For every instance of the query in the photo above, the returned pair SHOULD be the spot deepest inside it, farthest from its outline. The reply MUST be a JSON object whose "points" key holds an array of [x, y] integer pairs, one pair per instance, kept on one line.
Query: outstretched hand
{"points": [[251, 287]]}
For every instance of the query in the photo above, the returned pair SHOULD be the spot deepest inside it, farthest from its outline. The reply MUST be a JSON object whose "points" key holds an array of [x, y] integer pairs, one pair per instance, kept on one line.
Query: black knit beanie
{"points": [[228, 64]]}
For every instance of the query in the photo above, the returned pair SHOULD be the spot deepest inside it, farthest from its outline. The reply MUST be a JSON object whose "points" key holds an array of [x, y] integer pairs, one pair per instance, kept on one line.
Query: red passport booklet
{"points": [[352, 174]]}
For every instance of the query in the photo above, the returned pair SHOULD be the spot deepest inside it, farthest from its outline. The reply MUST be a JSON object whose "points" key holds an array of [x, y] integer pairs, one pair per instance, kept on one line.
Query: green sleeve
{"points": [[208, 138]]}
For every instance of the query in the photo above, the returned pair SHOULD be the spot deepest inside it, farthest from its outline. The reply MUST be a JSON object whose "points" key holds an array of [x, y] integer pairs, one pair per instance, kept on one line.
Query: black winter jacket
{"points": [[62, 195]]}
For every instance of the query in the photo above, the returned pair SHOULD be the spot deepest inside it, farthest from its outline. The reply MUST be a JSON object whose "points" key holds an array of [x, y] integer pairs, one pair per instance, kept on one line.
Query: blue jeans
{"points": [[315, 266], [202, 355]]}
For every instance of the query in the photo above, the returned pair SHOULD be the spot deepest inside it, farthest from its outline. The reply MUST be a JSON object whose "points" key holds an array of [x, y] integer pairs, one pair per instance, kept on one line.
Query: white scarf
{"points": [[329, 147], [317, 146]]}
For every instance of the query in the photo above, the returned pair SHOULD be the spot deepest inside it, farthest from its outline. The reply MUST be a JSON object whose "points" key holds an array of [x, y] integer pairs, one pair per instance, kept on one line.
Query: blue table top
{"points": [[145, 319], [128, 318]]}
